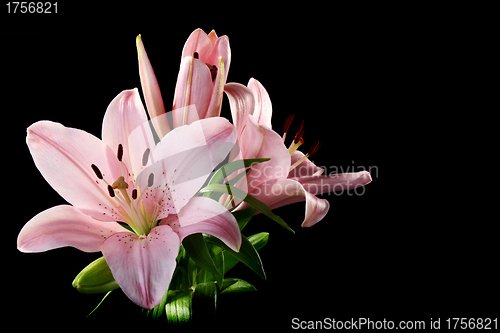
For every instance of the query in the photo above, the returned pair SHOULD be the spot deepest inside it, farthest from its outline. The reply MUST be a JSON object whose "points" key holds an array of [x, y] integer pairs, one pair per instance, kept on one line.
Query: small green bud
{"points": [[95, 278]]}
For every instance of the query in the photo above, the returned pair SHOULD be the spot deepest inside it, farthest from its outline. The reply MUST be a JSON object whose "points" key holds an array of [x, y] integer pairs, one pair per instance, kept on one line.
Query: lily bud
{"points": [[202, 75], [96, 278]]}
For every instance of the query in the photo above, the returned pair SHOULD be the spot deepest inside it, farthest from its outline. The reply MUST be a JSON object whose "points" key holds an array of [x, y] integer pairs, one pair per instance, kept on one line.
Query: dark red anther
{"points": [[300, 127], [213, 71], [134, 194], [299, 132], [119, 154], [313, 149], [96, 171], [288, 122], [196, 55], [298, 137], [111, 191], [151, 179], [145, 157]]}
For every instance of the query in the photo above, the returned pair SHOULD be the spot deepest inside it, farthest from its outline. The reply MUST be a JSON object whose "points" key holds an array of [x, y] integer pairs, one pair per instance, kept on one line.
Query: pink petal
{"points": [[126, 123], [261, 142], [242, 103], [143, 266], [334, 183], [221, 49], [316, 209], [281, 192], [186, 157], [218, 92], [64, 157], [64, 226], [306, 168], [263, 107], [204, 215], [194, 87], [199, 42], [151, 91], [212, 36]]}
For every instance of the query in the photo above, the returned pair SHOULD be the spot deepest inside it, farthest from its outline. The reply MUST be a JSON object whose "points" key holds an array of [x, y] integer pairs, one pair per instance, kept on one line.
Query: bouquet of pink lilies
{"points": [[165, 198]]}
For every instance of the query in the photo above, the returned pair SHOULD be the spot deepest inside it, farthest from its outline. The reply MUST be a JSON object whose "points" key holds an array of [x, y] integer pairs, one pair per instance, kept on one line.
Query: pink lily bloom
{"points": [[289, 176], [200, 84], [126, 178]]}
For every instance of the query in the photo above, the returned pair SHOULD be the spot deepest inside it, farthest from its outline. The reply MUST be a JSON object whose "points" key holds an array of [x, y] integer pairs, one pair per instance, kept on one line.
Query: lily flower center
{"points": [[129, 206]]}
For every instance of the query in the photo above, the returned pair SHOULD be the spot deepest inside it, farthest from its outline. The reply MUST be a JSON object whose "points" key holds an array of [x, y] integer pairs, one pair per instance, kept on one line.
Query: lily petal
{"points": [[242, 103], [270, 146], [64, 157], [204, 215], [212, 36], [199, 42], [218, 92], [64, 225], [186, 157], [281, 192], [306, 168], [151, 91], [143, 266], [220, 50], [125, 123], [194, 87], [334, 183], [263, 107]]}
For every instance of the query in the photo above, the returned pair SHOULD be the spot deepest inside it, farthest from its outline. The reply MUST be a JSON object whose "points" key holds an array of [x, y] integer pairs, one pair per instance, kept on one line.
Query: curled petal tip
{"points": [[367, 178]]}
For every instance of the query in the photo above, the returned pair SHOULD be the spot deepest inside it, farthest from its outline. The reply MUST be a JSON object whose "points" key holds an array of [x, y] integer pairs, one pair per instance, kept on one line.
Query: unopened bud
{"points": [[96, 278]]}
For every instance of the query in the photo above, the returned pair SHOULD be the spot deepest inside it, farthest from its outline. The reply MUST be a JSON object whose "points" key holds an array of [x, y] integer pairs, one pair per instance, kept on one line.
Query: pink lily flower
{"points": [[289, 176], [200, 84], [126, 178]]}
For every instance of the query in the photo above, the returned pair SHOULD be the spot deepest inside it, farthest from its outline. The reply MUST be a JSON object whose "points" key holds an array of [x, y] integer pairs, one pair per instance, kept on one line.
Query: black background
{"points": [[361, 78]]}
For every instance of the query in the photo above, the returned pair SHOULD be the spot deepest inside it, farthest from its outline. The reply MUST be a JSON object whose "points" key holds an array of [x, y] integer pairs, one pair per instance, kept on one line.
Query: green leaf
{"points": [[197, 249], [260, 206], [247, 254], [178, 307], [258, 241], [158, 310], [230, 286], [244, 216], [109, 292], [231, 167], [205, 296]]}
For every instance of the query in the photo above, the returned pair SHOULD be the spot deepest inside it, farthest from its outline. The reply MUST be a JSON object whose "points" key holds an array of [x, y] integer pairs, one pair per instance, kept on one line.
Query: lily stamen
{"points": [[297, 141], [310, 153], [96, 171], [286, 126], [119, 153], [132, 211], [111, 191]]}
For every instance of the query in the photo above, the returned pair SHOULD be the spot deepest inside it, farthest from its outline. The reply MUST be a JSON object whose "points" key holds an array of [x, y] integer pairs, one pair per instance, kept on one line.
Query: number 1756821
{"points": [[15, 7]]}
